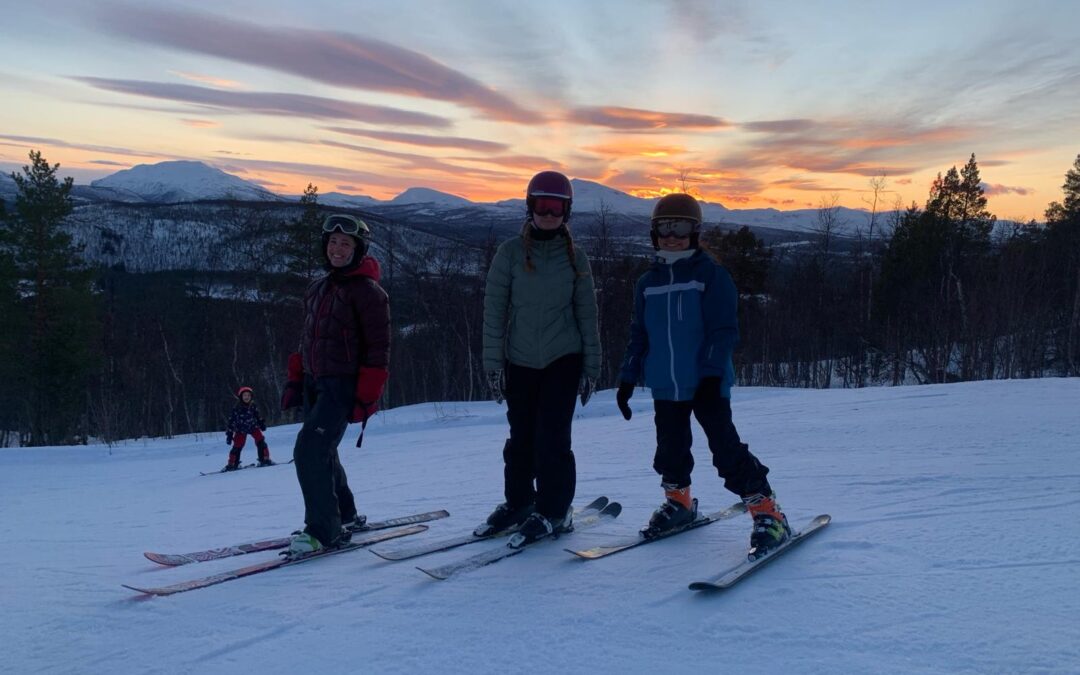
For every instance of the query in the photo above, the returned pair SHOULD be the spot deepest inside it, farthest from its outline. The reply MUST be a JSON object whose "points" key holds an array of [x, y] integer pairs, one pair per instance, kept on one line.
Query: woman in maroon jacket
{"points": [[338, 377]]}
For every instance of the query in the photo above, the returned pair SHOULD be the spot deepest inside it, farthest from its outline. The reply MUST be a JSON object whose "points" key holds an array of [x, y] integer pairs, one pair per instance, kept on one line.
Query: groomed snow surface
{"points": [[953, 548]]}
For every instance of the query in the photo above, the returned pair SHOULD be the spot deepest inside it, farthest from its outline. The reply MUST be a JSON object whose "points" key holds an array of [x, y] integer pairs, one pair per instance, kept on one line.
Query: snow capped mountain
{"points": [[341, 199], [421, 195], [183, 181]]}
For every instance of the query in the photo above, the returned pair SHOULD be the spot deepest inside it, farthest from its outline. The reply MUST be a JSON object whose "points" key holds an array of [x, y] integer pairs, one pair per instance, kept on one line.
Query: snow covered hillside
{"points": [[953, 548], [182, 181]]}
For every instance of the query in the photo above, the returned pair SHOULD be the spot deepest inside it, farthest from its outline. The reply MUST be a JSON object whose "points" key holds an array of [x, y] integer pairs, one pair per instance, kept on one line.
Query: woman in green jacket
{"points": [[541, 351]]}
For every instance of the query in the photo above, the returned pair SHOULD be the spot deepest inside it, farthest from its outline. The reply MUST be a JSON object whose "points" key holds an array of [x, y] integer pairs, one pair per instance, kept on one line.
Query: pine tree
{"points": [[1069, 211], [59, 348], [304, 238], [1063, 240]]}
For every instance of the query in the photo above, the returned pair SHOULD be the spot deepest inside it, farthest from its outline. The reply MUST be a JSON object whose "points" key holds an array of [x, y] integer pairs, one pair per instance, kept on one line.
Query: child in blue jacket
{"points": [[682, 337], [244, 420]]}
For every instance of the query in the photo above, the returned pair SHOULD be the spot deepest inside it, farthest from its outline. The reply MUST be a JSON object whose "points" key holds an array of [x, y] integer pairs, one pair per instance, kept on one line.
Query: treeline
{"points": [[936, 293]]}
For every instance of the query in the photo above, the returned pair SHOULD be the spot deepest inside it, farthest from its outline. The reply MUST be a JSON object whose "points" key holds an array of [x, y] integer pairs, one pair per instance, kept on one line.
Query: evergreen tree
{"points": [[743, 254], [1063, 242], [59, 349], [304, 238], [1069, 211]]}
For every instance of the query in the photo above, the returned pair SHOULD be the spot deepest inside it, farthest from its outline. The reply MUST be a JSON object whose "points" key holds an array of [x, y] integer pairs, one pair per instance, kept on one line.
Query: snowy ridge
{"points": [[951, 549], [183, 181]]}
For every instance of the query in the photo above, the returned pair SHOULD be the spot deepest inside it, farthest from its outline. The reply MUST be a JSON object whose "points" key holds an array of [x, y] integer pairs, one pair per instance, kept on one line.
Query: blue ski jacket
{"points": [[685, 328]]}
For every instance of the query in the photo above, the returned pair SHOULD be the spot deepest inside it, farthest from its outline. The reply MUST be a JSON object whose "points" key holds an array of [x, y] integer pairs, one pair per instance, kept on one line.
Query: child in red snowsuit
{"points": [[243, 420]]}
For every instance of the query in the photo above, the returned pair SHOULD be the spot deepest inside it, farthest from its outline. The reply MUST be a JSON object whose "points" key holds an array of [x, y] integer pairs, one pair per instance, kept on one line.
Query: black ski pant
{"points": [[328, 401], [743, 474], [540, 409]]}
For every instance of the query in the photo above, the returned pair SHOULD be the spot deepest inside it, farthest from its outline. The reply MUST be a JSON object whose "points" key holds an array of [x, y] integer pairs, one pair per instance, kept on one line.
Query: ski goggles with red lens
{"points": [[549, 206], [674, 227], [345, 225]]}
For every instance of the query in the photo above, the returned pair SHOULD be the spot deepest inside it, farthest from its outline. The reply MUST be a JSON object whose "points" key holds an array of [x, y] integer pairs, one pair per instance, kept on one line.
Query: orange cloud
{"points": [[635, 118], [207, 79], [200, 123], [635, 148]]}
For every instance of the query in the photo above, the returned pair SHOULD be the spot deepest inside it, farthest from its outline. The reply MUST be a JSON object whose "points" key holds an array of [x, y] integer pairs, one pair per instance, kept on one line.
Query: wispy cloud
{"points": [[36, 141], [860, 147], [424, 140], [333, 57], [635, 148], [207, 79], [413, 161], [992, 189], [106, 162], [616, 117], [524, 162], [267, 103], [200, 123]]}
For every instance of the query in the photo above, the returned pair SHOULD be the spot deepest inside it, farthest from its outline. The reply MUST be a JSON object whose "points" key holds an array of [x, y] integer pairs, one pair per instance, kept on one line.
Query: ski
{"points": [[611, 549], [464, 539], [253, 465], [268, 565], [484, 558], [742, 570], [175, 559]]}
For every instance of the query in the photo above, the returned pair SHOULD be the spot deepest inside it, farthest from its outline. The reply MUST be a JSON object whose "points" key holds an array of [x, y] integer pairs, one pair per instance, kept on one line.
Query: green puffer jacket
{"points": [[533, 318]]}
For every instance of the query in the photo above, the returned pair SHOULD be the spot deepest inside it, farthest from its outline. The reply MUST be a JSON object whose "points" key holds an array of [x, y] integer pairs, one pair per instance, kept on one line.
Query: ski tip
{"points": [[596, 504], [705, 586], [433, 575], [613, 509], [167, 561], [142, 591]]}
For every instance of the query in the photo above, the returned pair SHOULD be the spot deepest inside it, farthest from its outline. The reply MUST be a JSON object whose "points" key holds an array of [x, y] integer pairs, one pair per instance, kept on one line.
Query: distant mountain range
{"points": [[190, 181]]}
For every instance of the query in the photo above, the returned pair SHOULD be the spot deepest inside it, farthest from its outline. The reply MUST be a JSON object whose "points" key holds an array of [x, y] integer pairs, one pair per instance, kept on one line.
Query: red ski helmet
{"points": [[241, 390], [549, 184]]}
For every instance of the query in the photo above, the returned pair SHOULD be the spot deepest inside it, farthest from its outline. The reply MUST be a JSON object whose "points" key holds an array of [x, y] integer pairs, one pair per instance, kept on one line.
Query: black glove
{"points": [[586, 388], [228, 438], [626, 390], [497, 383], [262, 425]]}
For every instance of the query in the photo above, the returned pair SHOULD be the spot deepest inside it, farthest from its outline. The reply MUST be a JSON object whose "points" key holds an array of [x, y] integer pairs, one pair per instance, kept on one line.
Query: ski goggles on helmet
{"points": [[345, 225], [674, 227], [549, 206]]}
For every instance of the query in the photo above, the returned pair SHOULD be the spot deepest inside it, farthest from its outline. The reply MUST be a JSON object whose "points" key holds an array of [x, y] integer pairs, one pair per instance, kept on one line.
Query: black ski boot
{"points": [[354, 524], [770, 525], [504, 518], [671, 515], [537, 527], [264, 454]]}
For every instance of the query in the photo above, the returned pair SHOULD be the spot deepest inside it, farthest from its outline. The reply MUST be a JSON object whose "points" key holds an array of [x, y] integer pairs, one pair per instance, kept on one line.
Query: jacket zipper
{"points": [[671, 343]]}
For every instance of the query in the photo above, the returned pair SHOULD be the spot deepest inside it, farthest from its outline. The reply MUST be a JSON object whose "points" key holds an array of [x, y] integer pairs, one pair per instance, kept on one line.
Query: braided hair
{"points": [[571, 254]]}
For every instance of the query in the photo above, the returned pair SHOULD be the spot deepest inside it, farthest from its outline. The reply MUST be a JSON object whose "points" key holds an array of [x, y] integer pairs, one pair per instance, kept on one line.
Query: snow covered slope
{"points": [[183, 181], [953, 548]]}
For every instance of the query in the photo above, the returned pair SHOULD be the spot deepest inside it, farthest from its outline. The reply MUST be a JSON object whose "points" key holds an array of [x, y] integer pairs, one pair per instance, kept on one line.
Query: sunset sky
{"points": [[754, 104]]}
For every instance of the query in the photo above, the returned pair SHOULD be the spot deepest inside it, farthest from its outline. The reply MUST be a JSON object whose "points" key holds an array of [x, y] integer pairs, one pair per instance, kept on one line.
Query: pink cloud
{"points": [[998, 189], [425, 140], [268, 103], [333, 57], [634, 118]]}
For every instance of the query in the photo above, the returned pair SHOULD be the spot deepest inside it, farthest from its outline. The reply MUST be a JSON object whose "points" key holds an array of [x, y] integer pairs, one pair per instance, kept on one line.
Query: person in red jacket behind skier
{"points": [[338, 377]]}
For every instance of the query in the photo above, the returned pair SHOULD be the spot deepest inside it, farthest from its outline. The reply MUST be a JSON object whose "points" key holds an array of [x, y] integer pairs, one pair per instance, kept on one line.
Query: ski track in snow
{"points": [[953, 548]]}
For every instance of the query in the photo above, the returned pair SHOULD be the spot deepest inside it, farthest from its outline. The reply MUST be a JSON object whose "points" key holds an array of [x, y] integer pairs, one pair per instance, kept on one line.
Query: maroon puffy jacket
{"points": [[346, 323]]}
